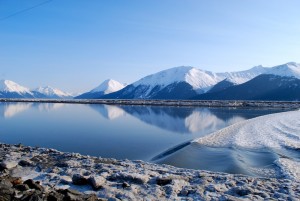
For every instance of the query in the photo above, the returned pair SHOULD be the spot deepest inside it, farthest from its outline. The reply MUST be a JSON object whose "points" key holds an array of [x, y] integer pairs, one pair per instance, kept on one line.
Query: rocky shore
{"points": [[29, 173], [176, 103]]}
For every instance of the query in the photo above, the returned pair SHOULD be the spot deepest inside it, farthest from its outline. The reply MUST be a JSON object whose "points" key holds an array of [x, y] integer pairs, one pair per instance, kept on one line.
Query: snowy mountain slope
{"points": [[50, 92], [262, 87], [10, 89], [106, 87], [240, 77], [181, 83], [175, 83], [186, 74], [224, 84], [109, 86], [291, 69]]}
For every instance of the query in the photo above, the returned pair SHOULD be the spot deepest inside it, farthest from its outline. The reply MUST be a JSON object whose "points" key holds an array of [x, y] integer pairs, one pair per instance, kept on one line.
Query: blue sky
{"points": [[75, 44]]}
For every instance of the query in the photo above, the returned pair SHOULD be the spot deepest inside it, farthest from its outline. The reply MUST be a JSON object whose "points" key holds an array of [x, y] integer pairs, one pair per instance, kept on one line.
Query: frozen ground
{"points": [[111, 179]]}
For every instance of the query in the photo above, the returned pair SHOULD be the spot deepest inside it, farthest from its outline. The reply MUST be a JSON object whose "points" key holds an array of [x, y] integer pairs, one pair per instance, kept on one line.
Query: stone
{"points": [[162, 181], [16, 181], [79, 179], [33, 185], [6, 191], [22, 187], [96, 182], [65, 180], [8, 165], [242, 191], [25, 163], [125, 185]]}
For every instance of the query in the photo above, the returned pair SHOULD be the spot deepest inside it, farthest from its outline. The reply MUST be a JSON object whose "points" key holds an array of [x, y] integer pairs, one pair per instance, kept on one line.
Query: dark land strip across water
{"points": [[204, 103]]}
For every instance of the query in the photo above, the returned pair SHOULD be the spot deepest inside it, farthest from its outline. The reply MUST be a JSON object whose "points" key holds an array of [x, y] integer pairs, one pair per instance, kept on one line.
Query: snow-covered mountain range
{"points": [[10, 89], [184, 82], [50, 92], [106, 87], [187, 82]]}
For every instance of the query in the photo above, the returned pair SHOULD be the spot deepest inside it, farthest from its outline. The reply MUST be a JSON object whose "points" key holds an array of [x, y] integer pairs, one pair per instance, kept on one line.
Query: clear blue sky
{"points": [[76, 44]]}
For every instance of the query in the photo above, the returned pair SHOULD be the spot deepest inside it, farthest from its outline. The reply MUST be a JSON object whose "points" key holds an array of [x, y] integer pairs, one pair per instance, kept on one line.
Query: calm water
{"points": [[132, 132]]}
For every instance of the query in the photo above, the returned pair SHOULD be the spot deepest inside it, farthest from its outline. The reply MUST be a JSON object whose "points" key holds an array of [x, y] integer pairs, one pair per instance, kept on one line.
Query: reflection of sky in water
{"points": [[133, 132]]}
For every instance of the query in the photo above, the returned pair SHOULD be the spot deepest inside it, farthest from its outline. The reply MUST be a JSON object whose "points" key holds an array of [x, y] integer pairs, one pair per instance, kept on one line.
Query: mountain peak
{"points": [[291, 69], [108, 86], [292, 64], [187, 74], [52, 92], [10, 86]]}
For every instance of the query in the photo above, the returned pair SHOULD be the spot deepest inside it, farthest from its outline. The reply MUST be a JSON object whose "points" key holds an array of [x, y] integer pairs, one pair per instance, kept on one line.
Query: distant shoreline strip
{"points": [[194, 103]]}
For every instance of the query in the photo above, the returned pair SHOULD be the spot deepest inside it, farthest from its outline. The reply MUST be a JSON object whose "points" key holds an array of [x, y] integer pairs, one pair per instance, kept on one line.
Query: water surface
{"points": [[132, 132]]}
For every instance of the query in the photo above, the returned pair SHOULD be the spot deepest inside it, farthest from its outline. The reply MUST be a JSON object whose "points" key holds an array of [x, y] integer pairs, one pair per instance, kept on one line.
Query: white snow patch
{"points": [[108, 86], [200, 80], [50, 91], [277, 132], [291, 69], [10, 86]]}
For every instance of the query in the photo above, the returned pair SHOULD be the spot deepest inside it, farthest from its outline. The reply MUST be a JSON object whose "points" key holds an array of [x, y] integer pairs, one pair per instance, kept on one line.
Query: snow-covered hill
{"points": [[181, 83], [262, 87], [291, 69], [10, 89], [50, 92], [185, 82], [106, 87], [240, 77]]}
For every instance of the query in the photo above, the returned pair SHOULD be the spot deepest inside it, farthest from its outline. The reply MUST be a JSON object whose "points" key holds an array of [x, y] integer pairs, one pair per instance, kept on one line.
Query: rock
{"points": [[22, 187], [16, 181], [65, 180], [71, 195], [6, 191], [33, 185], [54, 196], [5, 183], [97, 182], [24, 163], [162, 181], [126, 177], [242, 191], [125, 185], [8, 165], [92, 197], [79, 179], [35, 197], [184, 192], [66, 191]]}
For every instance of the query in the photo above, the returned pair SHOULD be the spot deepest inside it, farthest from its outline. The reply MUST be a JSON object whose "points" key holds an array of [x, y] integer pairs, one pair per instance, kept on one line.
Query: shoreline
{"points": [[87, 178], [148, 102]]}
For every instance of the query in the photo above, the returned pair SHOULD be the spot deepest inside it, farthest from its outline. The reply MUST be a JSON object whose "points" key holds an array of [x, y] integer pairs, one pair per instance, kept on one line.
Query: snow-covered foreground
{"points": [[278, 133], [112, 179]]}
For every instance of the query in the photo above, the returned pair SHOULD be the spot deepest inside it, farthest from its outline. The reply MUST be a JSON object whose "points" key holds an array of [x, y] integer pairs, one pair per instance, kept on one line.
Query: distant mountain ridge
{"points": [[187, 82], [262, 87], [50, 92], [10, 89], [180, 83], [184, 82], [106, 87]]}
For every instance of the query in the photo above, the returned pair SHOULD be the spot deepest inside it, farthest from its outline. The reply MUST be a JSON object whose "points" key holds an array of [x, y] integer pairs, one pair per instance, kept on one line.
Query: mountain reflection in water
{"points": [[180, 119], [117, 131]]}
